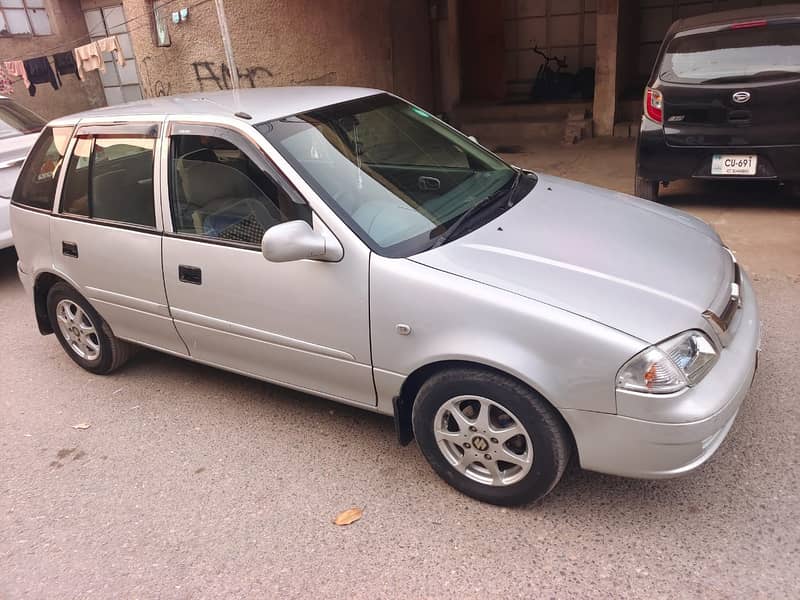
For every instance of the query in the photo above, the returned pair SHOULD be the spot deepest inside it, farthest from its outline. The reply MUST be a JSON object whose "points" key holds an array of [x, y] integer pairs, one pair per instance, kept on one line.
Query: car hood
{"points": [[12, 154], [633, 265]]}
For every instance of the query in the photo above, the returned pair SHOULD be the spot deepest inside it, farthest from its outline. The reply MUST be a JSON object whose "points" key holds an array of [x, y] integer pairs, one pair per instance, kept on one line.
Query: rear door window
{"points": [[762, 53], [111, 178], [36, 185]]}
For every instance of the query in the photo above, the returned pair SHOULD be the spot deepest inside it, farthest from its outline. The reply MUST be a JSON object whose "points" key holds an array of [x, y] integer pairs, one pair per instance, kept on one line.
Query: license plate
{"points": [[734, 164]]}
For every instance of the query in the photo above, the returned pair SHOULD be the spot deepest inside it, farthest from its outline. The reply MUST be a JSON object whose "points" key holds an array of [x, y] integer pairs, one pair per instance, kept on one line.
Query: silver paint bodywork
{"points": [[12, 154], [559, 291]]}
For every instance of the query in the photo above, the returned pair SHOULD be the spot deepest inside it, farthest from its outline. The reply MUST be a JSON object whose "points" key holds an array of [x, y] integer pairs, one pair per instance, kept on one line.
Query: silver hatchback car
{"points": [[346, 243]]}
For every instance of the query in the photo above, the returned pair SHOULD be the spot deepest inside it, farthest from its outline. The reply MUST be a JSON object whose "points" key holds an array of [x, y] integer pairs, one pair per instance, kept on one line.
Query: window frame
{"points": [[26, 10], [245, 142], [148, 129]]}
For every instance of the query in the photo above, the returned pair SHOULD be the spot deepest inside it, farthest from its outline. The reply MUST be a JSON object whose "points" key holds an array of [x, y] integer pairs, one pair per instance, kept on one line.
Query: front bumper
{"points": [[632, 447], [656, 160]]}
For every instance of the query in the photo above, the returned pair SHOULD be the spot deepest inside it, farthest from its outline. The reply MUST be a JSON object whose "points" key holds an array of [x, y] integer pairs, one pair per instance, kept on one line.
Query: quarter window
{"points": [[218, 191], [36, 185], [111, 178]]}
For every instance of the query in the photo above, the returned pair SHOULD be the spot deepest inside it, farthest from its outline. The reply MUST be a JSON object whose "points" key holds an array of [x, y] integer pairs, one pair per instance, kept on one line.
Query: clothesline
{"points": [[79, 61], [69, 45]]}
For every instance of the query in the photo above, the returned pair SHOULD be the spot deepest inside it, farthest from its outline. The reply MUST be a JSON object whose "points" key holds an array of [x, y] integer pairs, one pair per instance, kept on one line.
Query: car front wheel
{"points": [[490, 436], [84, 335]]}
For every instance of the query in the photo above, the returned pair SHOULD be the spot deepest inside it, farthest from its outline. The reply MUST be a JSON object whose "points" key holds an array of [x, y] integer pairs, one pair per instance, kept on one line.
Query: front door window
{"points": [[218, 191]]}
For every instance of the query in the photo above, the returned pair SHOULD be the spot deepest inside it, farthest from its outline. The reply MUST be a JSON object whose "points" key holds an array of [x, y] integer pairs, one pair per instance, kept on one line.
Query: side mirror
{"points": [[296, 240]]}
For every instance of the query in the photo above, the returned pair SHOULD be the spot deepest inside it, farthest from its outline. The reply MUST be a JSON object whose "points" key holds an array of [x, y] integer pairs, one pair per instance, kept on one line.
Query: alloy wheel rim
{"points": [[78, 330], [483, 440]]}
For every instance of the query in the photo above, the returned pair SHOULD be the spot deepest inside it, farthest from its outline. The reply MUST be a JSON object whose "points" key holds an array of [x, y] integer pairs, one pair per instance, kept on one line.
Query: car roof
{"points": [[262, 104], [727, 17]]}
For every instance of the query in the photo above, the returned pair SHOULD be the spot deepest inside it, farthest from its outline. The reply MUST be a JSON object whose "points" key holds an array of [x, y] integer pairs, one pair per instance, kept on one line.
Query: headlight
{"points": [[670, 366]]}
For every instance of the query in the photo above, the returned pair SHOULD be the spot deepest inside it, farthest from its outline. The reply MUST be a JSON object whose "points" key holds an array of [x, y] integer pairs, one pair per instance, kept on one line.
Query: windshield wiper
{"points": [[476, 208]]}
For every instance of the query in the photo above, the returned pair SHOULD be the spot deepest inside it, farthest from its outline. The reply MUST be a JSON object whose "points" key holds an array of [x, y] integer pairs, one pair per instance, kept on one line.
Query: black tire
{"points": [[113, 352], [547, 431], [646, 189]]}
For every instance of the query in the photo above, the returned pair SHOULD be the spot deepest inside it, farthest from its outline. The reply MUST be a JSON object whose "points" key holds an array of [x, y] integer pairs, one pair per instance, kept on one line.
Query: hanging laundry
{"points": [[6, 83], [16, 68], [90, 58], [111, 44], [40, 71], [65, 64]]}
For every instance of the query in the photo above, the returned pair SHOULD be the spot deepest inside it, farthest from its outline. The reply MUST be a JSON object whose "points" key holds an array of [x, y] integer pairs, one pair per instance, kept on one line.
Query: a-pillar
{"points": [[605, 82]]}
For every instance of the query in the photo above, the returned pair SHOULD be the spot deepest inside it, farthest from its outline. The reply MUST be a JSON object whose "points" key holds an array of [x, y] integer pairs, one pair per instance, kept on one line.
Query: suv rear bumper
{"points": [[656, 160]]}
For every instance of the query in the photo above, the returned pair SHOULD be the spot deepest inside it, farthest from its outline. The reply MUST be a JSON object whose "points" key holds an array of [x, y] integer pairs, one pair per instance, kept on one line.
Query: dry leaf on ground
{"points": [[351, 515], [81, 426]]}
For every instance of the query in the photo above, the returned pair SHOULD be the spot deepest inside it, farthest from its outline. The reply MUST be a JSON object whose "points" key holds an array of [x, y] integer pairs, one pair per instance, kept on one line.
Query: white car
{"points": [[346, 243], [19, 128]]}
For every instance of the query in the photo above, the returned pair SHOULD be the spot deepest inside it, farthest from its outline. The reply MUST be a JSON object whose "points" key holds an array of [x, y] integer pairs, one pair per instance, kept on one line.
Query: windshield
{"points": [[734, 55], [395, 174], [16, 120]]}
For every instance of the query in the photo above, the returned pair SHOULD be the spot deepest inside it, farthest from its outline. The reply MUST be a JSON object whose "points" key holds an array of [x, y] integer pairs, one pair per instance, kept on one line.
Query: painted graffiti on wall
{"points": [[214, 75], [154, 87], [210, 76]]}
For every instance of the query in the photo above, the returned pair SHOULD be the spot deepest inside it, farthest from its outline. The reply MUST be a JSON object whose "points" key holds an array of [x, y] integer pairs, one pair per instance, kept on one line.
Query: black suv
{"points": [[723, 101]]}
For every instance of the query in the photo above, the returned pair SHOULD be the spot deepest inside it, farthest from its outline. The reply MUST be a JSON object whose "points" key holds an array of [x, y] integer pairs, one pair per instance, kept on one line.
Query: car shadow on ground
{"points": [[274, 404], [728, 194], [8, 268]]}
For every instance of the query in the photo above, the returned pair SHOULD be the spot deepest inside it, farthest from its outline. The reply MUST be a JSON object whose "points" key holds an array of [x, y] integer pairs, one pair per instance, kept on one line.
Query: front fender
{"points": [[572, 361]]}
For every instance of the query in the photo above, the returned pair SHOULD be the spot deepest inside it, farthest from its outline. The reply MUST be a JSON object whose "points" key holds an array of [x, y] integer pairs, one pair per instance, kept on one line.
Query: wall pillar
{"points": [[449, 56], [605, 83]]}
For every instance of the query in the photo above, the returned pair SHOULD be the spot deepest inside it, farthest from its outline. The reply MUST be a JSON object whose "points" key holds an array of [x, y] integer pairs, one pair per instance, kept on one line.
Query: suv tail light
{"points": [[654, 105]]}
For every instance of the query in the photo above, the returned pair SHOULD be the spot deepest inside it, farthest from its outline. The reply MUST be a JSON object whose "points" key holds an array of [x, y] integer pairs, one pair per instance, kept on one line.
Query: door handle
{"points": [[69, 249], [189, 274]]}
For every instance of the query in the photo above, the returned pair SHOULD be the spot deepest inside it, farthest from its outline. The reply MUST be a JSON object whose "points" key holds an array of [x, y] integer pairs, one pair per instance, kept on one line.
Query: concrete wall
{"points": [[68, 26], [375, 43]]}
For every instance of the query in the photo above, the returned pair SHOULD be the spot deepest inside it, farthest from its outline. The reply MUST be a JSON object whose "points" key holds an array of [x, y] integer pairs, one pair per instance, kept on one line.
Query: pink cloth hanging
{"points": [[6, 83], [17, 68]]}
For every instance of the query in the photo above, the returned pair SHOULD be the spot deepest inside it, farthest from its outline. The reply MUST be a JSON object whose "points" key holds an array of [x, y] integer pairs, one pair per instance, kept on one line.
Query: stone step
{"points": [[550, 111], [577, 129], [627, 129], [513, 132]]}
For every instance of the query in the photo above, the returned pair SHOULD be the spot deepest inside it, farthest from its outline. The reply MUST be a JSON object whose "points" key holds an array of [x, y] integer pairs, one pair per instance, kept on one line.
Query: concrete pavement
{"points": [[196, 483]]}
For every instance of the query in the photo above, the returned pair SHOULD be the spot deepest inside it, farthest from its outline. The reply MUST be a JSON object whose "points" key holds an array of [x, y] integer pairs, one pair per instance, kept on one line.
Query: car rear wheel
{"points": [[490, 436], [646, 188], [85, 336]]}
